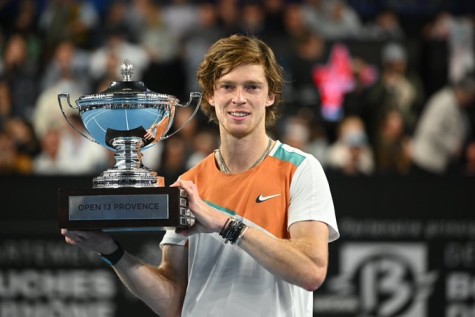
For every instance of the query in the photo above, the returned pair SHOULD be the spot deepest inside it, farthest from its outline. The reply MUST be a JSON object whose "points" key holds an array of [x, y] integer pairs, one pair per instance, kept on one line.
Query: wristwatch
{"points": [[114, 257]]}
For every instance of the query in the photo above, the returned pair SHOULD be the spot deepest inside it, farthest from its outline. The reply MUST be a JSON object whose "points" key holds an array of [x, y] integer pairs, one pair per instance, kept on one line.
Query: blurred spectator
{"points": [[5, 102], [173, 160], [350, 154], [303, 133], [67, 62], [20, 73], [179, 17], [26, 25], [197, 41], [228, 16], [47, 162], [434, 48], [204, 143], [294, 30], [109, 75], [187, 131], [252, 20], [461, 48], [23, 136], [364, 76], [443, 128], [154, 35], [65, 152], [318, 143], [151, 156], [11, 161], [391, 153], [47, 113], [164, 51], [468, 168], [274, 17], [116, 44], [165, 73], [296, 132], [384, 27], [450, 48], [397, 88], [75, 20], [309, 53], [438, 27], [313, 14], [333, 19]]}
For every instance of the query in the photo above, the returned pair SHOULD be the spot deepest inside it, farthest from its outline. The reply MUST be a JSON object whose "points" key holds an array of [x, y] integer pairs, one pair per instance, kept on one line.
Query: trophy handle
{"points": [[66, 95], [194, 97]]}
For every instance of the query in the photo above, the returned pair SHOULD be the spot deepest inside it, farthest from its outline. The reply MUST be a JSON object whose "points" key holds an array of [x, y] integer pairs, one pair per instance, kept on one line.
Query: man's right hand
{"points": [[94, 240]]}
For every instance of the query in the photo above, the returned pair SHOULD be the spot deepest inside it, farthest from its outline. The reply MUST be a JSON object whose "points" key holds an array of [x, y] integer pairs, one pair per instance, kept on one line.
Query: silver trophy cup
{"points": [[126, 118]]}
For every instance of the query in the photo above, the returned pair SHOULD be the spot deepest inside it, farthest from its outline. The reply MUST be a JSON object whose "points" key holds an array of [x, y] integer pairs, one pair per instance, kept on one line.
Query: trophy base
{"points": [[138, 177], [123, 209]]}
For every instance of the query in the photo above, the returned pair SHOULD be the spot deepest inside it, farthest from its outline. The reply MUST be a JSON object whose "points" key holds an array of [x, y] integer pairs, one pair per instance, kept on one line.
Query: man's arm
{"points": [[301, 260], [161, 288]]}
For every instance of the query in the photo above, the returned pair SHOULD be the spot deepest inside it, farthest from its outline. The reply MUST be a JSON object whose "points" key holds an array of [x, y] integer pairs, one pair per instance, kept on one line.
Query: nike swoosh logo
{"points": [[261, 199]]}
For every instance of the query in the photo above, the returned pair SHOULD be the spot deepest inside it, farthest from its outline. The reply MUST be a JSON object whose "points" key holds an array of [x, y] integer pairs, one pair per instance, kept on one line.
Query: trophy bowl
{"points": [[126, 118]]}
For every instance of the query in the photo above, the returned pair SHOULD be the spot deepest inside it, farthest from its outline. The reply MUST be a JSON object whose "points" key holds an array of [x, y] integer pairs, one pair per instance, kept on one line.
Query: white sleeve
{"points": [[310, 197], [171, 237]]}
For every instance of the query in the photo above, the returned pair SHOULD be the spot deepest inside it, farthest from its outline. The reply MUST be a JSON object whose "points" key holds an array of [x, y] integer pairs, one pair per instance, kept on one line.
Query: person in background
{"points": [[351, 154], [398, 87], [391, 149], [264, 213], [443, 128]]}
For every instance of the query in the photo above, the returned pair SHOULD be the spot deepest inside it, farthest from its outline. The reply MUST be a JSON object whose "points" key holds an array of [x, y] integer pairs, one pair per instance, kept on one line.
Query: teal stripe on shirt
{"points": [[286, 156], [222, 209]]}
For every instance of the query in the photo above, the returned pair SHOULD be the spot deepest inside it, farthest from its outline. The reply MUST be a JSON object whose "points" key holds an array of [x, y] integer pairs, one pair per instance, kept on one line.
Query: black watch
{"points": [[114, 257]]}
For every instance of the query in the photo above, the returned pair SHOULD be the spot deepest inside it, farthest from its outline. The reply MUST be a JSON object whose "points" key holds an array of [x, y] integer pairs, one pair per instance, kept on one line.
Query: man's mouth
{"points": [[239, 114]]}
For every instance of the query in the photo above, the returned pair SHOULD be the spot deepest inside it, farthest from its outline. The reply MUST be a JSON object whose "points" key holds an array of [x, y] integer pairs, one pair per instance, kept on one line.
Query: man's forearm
{"points": [[161, 288]]}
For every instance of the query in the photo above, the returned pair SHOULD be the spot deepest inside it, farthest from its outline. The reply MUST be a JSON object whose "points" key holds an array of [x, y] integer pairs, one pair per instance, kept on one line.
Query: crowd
{"points": [[365, 112]]}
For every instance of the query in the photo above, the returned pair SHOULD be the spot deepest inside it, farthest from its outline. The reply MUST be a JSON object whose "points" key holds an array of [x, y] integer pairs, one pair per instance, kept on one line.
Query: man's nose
{"points": [[239, 96]]}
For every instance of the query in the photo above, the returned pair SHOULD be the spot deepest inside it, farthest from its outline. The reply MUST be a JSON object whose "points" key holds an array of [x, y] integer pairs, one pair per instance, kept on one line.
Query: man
{"points": [[443, 128], [264, 211]]}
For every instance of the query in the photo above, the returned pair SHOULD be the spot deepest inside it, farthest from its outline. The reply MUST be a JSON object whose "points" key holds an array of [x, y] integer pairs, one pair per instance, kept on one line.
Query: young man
{"points": [[264, 211]]}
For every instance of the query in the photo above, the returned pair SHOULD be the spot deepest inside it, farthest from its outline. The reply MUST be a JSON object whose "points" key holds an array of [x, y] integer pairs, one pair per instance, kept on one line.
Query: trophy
{"points": [[126, 118]]}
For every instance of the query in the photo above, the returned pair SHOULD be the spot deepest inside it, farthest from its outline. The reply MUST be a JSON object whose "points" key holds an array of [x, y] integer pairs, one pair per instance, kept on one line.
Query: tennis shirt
{"points": [[223, 280]]}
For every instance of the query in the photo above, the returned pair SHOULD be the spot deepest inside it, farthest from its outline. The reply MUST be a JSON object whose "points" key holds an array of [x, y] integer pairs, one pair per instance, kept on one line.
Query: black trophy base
{"points": [[123, 209]]}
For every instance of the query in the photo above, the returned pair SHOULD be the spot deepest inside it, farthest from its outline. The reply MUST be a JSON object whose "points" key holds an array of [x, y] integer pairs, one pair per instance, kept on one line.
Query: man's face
{"points": [[240, 99]]}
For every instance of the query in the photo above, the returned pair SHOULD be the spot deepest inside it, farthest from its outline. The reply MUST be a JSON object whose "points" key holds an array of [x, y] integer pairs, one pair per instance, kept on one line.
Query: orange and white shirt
{"points": [[287, 187]]}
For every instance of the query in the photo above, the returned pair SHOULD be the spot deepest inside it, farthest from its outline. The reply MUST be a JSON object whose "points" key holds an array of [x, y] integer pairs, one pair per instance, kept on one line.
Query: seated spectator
{"points": [[350, 154]]}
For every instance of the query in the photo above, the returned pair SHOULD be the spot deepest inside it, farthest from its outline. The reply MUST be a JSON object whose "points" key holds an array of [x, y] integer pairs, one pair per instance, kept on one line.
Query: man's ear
{"points": [[270, 100], [211, 101]]}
